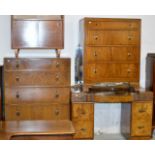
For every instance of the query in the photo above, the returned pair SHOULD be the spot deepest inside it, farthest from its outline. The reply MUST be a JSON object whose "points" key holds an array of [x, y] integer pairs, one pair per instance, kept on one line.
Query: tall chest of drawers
{"points": [[111, 50], [37, 88]]}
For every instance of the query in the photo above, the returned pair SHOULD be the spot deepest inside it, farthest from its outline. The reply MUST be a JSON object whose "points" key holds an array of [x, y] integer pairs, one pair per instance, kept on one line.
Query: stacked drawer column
{"points": [[37, 89]]}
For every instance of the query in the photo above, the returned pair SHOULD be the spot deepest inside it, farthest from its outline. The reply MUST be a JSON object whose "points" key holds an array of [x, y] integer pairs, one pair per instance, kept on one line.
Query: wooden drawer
{"points": [[83, 129], [37, 112], [105, 72], [83, 111], [51, 64], [100, 54], [112, 25], [36, 95], [113, 38], [40, 78], [141, 119]]}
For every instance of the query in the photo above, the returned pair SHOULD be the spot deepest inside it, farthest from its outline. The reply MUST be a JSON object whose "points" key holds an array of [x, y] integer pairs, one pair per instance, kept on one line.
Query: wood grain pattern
{"points": [[111, 50], [37, 112], [46, 32], [36, 130], [83, 120]]}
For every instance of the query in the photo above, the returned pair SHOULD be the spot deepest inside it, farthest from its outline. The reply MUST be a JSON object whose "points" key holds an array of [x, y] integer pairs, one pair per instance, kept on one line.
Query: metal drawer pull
{"points": [[129, 54], [57, 112], [56, 95], [140, 127], [17, 113], [17, 95], [95, 54], [17, 65], [17, 78], [57, 77], [142, 110], [57, 64], [95, 71]]}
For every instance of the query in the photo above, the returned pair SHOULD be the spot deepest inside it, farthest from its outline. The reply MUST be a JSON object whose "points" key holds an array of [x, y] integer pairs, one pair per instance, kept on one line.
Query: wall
{"points": [[107, 117]]}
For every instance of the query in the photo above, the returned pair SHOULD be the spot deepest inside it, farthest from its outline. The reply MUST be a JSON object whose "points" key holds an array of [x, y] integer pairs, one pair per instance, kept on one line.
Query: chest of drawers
{"points": [[110, 49], [37, 89]]}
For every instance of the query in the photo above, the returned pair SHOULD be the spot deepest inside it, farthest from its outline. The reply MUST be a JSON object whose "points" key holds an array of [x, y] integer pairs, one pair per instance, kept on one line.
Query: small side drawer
{"points": [[84, 129], [82, 111], [141, 122]]}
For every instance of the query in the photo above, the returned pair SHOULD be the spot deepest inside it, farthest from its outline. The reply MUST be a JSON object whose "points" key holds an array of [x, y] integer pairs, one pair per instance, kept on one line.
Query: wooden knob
{"points": [[129, 71], [95, 71], [96, 37], [129, 37], [83, 112]]}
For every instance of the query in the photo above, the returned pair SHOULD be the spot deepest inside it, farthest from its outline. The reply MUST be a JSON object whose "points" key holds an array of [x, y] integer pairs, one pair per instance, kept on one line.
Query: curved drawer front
{"points": [[39, 78], [37, 112], [113, 38], [36, 95], [53, 64]]}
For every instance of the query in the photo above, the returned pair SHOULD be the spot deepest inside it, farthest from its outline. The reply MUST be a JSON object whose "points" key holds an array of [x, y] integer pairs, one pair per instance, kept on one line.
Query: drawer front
{"points": [[45, 78], [113, 38], [53, 64], [141, 119], [37, 112], [36, 95], [110, 72], [100, 54], [84, 129], [83, 111], [99, 25]]}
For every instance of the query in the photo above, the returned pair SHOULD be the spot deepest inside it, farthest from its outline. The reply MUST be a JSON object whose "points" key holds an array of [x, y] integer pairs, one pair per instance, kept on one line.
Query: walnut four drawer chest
{"points": [[37, 89], [111, 50]]}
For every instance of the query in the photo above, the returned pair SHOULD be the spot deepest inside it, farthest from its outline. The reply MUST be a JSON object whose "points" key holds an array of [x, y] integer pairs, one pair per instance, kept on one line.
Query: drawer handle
{"points": [[56, 95], [95, 71], [129, 71], [57, 112], [17, 65], [129, 37], [129, 54], [57, 77], [89, 22], [140, 127], [83, 129], [95, 54], [57, 64], [17, 95], [142, 111], [17, 79], [17, 113], [96, 37]]}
